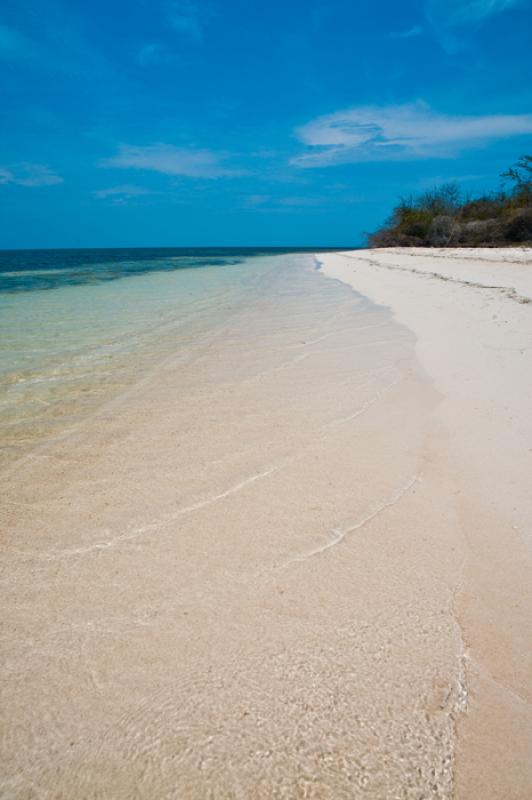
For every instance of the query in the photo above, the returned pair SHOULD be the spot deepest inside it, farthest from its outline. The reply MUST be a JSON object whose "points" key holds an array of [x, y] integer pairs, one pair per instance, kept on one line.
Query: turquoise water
{"points": [[31, 270], [79, 327]]}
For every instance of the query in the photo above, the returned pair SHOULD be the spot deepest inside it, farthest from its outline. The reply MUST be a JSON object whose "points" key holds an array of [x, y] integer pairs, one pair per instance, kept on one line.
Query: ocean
{"points": [[77, 327]]}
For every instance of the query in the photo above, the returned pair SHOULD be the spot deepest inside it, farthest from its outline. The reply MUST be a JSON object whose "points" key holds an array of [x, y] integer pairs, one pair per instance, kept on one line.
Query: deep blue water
{"points": [[29, 270]]}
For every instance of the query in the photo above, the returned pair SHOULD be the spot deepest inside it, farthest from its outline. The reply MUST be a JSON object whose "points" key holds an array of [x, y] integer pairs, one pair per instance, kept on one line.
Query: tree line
{"points": [[444, 217]]}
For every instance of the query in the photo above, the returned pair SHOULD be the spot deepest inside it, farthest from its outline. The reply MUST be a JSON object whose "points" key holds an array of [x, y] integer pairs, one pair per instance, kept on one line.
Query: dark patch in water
{"points": [[30, 270]]}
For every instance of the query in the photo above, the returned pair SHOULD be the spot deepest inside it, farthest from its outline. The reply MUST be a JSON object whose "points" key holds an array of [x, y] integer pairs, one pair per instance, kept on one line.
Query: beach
{"points": [[287, 552], [471, 313]]}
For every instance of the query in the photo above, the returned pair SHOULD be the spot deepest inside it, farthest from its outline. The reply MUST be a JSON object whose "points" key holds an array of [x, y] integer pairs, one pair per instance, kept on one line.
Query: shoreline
{"points": [[257, 570], [239, 565], [471, 314]]}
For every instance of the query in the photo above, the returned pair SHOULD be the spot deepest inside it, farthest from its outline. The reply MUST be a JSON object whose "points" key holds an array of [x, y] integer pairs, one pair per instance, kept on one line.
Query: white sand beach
{"points": [[293, 560], [471, 313]]}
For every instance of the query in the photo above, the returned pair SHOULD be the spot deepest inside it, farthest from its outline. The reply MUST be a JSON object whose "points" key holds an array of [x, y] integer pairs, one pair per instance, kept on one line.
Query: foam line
{"points": [[339, 535], [126, 537]]}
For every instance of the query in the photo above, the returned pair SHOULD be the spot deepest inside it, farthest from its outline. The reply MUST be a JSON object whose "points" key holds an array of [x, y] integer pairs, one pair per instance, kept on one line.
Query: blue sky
{"points": [[202, 122]]}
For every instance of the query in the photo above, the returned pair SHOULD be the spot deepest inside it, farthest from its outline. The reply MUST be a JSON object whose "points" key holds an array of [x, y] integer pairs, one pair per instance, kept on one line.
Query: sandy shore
{"points": [[291, 563], [471, 312]]}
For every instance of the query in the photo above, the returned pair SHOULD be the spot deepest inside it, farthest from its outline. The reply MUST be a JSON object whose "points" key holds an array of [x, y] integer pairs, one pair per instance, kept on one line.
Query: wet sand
{"points": [[259, 573], [471, 311]]}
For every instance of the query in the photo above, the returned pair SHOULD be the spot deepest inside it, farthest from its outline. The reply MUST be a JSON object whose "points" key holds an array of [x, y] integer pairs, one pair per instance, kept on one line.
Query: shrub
{"points": [[519, 227], [486, 207], [441, 201], [520, 175], [441, 217], [415, 223], [441, 231], [477, 232]]}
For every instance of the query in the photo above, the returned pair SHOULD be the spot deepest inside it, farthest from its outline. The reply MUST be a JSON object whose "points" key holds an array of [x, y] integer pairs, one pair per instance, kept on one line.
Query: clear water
{"points": [[79, 326], [220, 585]]}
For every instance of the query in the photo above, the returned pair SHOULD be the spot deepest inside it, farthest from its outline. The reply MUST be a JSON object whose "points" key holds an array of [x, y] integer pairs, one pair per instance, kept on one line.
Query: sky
{"points": [[234, 123]]}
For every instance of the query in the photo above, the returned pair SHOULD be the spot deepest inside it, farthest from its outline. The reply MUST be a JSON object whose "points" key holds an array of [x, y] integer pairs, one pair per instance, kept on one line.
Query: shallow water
{"points": [[233, 578], [77, 327]]}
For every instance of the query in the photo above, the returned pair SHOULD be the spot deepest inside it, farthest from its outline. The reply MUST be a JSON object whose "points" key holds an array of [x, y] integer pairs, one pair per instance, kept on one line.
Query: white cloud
{"points": [[413, 131], [123, 192], [170, 160], [27, 174]]}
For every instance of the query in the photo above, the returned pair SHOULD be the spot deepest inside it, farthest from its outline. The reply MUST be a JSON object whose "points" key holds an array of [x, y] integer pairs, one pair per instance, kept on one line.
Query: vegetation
{"points": [[443, 217]]}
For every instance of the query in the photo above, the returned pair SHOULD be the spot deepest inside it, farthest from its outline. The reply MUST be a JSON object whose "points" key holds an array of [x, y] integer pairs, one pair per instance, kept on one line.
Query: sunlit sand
{"points": [[289, 562]]}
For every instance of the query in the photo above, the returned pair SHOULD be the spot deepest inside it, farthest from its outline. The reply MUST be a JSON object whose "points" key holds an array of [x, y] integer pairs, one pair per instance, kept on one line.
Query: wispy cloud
{"points": [[188, 19], [300, 202], [451, 18], [436, 180], [410, 33], [269, 200], [464, 12], [266, 203], [255, 200], [329, 197], [27, 174], [413, 131], [121, 194], [170, 160]]}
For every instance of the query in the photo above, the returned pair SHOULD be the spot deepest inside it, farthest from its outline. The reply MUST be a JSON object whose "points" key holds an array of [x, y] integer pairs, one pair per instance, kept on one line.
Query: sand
{"points": [[471, 312], [292, 564]]}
